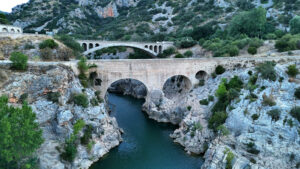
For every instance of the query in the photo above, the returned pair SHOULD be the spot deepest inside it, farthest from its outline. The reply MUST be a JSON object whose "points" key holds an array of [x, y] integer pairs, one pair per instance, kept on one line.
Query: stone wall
{"points": [[10, 29]]}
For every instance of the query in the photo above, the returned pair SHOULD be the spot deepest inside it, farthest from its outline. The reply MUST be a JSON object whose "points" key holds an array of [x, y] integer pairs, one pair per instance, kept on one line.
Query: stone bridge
{"points": [[154, 48], [10, 29], [154, 73]]}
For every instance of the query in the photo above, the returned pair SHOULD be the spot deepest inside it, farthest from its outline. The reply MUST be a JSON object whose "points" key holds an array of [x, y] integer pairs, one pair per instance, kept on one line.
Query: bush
{"points": [[295, 25], [53, 96], [23, 98], [211, 98], [49, 43], [94, 102], [204, 102], [217, 119], [189, 108], [295, 112], [235, 83], [252, 50], [81, 100], [70, 150], [221, 91], [201, 82], [297, 93], [220, 70], [65, 54], [292, 71], [288, 42], [188, 53], [85, 139], [19, 61], [229, 159], [267, 70], [255, 117], [268, 101], [178, 55], [275, 114], [233, 50], [46, 54]]}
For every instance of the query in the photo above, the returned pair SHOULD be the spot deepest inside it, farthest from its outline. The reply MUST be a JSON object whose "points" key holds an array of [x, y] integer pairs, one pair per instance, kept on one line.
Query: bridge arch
{"points": [[94, 49], [201, 75], [177, 85], [4, 30], [128, 86]]}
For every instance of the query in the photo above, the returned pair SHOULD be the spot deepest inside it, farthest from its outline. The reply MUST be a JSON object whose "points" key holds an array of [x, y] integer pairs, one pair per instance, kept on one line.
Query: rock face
{"points": [[56, 119], [260, 143]]}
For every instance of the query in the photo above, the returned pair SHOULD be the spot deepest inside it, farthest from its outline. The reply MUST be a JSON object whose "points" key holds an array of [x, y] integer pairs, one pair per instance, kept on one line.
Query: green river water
{"points": [[146, 144]]}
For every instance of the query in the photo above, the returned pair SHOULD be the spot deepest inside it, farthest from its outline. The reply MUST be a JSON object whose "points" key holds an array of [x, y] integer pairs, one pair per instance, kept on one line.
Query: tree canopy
{"points": [[20, 135], [251, 23], [295, 25], [3, 19]]}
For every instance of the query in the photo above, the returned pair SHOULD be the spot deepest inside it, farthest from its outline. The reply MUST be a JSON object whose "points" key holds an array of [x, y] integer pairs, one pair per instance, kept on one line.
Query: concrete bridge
{"points": [[154, 49], [154, 73]]}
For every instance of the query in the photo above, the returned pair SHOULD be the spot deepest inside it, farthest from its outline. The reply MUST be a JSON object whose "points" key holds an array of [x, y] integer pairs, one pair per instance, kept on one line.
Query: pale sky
{"points": [[7, 5]]}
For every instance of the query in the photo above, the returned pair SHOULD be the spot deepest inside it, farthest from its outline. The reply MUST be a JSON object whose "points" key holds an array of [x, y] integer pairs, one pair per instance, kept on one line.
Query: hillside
{"points": [[143, 19]]}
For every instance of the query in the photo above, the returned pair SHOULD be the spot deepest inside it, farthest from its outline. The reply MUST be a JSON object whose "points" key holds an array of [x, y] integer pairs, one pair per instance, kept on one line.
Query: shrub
{"points": [[275, 114], [211, 98], [28, 46], [178, 55], [295, 112], [94, 102], [49, 43], [189, 108], [85, 139], [204, 102], [188, 53], [217, 119], [292, 71], [223, 130], [235, 83], [220, 70], [221, 91], [23, 98], [53, 96], [81, 100], [229, 159], [78, 126], [201, 82], [65, 54], [252, 50], [46, 54], [297, 93], [268, 101], [288, 42], [255, 117], [19, 61], [70, 150], [295, 25], [251, 148], [267, 70], [233, 50]]}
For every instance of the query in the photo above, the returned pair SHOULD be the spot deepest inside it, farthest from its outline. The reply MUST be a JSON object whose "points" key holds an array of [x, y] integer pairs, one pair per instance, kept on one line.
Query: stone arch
{"points": [[96, 81], [160, 49], [12, 30], [155, 49], [128, 86], [176, 86], [84, 45], [4, 30], [201, 75], [91, 45], [97, 44], [18, 31], [151, 47], [146, 46]]}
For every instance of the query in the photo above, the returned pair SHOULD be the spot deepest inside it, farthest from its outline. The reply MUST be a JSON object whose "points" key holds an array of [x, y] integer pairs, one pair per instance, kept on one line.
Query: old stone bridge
{"points": [[153, 48], [154, 73]]}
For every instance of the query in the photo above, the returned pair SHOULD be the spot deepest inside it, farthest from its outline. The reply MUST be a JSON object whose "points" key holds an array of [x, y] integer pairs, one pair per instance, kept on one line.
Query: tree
{"points": [[3, 19], [295, 25], [20, 134], [251, 23], [19, 60]]}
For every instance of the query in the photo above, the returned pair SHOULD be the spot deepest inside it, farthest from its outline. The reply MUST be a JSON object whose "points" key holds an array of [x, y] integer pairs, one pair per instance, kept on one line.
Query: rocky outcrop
{"points": [[56, 119]]}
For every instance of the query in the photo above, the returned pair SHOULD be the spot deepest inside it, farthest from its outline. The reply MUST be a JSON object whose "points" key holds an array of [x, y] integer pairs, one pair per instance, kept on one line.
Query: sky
{"points": [[7, 5]]}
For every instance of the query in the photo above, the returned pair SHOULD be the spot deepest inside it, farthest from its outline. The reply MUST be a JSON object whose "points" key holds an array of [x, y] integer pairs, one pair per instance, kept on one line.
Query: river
{"points": [[146, 144]]}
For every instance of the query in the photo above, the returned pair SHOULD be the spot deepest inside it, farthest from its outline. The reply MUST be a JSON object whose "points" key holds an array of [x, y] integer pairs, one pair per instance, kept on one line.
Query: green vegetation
{"points": [[267, 70], [268, 101], [292, 71], [109, 50], [167, 52], [20, 135], [217, 119], [188, 54], [275, 114], [81, 100], [288, 42], [295, 112], [204, 102], [46, 54], [3, 19], [83, 68], [295, 25], [139, 54], [297, 93], [53, 96], [19, 60], [252, 50], [229, 160], [251, 148], [220, 70], [71, 43], [255, 117], [70, 148], [223, 130], [49, 43]]}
